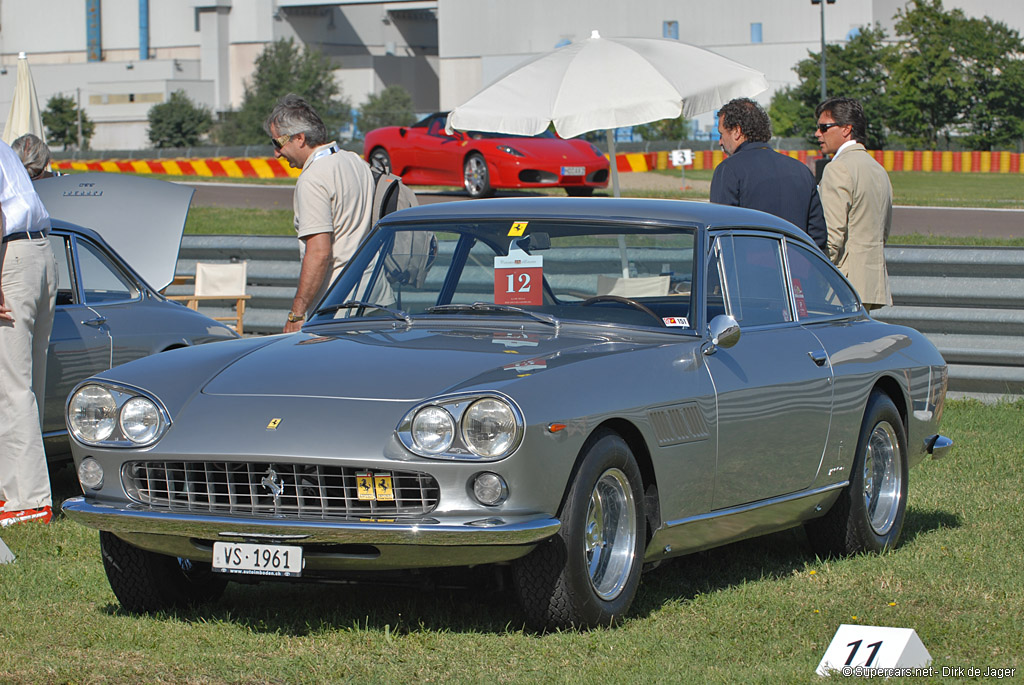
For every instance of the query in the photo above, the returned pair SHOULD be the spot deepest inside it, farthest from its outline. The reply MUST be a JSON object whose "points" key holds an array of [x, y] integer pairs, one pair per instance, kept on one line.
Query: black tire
{"points": [[869, 514], [587, 574], [575, 191], [146, 581], [475, 176], [379, 158]]}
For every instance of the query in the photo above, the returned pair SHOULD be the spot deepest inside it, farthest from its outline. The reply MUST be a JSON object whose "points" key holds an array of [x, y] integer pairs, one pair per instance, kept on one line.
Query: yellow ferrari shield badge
{"points": [[518, 228], [382, 487], [364, 485], [274, 423]]}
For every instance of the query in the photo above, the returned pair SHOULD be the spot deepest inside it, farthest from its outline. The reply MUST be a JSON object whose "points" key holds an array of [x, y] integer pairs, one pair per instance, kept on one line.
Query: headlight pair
{"points": [[475, 427], [114, 416]]}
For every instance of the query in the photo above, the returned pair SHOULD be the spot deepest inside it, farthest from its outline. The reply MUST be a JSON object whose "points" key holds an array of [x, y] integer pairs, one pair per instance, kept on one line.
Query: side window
{"points": [[754, 287], [820, 292], [65, 284], [102, 282]]}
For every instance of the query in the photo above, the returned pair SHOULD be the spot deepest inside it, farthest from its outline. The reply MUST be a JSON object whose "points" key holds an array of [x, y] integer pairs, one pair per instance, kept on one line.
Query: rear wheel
{"points": [[588, 574], [146, 581], [379, 158], [475, 176], [868, 516]]}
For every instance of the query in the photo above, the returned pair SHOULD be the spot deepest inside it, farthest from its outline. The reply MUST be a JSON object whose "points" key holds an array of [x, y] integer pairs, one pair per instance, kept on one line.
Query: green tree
{"points": [[665, 129], [284, 68], [178, 122], [956, 76], [859, 69], [393, 107], [61, 121], [929, 89], [994, 111]]}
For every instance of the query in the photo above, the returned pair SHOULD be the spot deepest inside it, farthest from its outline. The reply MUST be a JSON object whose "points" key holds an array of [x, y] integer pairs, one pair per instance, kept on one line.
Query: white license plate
{"points": [[573, 170], [259, 560]]}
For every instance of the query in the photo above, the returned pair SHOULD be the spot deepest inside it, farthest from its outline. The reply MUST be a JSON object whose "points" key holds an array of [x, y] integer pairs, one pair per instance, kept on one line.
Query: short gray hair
{"points": [[34, 154], [293, 115]]}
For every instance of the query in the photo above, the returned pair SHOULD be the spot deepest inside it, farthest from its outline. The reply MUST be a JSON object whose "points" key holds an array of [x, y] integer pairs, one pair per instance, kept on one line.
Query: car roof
{"points": [[635, 210]]}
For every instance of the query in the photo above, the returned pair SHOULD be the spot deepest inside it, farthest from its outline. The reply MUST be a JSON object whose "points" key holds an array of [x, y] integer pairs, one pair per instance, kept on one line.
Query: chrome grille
{"points": [[307, 491]]}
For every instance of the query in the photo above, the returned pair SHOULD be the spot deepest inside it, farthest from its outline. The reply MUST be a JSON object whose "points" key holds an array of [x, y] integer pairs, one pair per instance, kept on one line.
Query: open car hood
{"points": [[141, 218]]}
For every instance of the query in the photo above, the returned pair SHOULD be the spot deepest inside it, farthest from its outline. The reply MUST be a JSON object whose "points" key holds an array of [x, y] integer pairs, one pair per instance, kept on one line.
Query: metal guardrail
{"points": [[968, 301]]}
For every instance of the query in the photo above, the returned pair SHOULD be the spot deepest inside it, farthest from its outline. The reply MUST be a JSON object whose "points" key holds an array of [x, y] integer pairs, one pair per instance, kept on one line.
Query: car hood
{"points": [[404, 365], [142, 219]]}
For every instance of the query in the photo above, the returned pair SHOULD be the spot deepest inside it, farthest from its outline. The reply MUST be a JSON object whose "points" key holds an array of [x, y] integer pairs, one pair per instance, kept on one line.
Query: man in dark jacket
{"points": [[756, 176]]}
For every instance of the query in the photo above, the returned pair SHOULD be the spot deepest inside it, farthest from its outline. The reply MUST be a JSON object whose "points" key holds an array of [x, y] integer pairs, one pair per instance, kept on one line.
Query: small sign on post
{"points": [[681, 158], [863, 650]]}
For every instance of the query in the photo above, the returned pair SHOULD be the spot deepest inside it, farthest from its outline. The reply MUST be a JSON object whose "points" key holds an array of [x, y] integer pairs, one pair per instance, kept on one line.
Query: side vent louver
{"points": [[678, 424]]}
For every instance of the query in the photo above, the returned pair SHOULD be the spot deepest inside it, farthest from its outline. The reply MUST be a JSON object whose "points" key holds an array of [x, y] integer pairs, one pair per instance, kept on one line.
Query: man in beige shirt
{"points": [[856, 196], [333, 200]]}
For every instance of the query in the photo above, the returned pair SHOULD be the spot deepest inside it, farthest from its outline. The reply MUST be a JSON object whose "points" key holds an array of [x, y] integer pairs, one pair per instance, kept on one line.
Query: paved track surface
{"points": [[944, 221]]}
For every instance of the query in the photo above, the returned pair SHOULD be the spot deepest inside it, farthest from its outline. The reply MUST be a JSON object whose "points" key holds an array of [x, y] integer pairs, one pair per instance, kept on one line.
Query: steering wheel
{"points": [[622, 300]]}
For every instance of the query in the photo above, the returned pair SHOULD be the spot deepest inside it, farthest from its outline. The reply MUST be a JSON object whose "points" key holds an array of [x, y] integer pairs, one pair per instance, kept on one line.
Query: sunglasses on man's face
{"points": [[280, 141], [821, 127]]}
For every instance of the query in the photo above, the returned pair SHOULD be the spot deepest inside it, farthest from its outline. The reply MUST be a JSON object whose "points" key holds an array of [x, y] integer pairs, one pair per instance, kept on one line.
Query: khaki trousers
{"points": [[29, 285]]}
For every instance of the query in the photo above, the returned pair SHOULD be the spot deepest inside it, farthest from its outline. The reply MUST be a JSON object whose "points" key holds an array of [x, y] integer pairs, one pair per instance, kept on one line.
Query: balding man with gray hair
{"points": [[333, 202]]}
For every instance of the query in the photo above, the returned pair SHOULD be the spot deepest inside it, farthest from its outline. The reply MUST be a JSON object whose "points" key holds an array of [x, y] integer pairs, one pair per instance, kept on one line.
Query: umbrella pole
{"points": [[623, 256], [613, 162]]}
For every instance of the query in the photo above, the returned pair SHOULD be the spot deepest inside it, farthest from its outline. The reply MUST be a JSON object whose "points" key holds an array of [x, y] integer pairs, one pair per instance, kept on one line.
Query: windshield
{"points": [[541, 270]]}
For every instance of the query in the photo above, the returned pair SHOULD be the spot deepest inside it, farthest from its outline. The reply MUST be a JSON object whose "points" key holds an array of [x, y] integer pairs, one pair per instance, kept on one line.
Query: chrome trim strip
{"points": [[518, 530], [760, 504]]}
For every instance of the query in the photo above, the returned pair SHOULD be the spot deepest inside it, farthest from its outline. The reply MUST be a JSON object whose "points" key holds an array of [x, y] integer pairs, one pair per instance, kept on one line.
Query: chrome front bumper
{"points": [[495, 530], [337, 545]]}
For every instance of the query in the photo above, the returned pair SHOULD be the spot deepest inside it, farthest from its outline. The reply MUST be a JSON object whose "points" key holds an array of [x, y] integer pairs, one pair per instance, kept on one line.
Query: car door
{"points": [[439, 154], [79, 344], [774, 387]]}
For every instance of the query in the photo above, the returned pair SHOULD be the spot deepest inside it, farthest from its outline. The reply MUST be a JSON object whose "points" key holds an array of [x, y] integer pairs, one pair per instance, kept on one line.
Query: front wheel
{"points": [[868, 516], [476, 177], [146, 581], [587, 574]]}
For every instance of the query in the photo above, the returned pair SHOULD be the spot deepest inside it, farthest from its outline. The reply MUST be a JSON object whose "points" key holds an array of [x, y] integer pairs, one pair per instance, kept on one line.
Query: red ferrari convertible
{"points": [[423, 154]]}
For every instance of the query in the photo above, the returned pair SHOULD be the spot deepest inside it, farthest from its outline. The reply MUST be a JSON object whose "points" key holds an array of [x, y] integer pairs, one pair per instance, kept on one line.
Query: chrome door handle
{"points": [[818, 357], [98, 321]]}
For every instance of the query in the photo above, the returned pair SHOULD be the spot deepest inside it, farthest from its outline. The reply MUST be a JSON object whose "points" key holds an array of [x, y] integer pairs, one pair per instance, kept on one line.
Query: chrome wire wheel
{"points": [[882, 478], [610, 534]]}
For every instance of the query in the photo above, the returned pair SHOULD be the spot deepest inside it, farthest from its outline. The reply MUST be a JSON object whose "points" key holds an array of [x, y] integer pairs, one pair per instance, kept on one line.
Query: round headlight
{"points": [[90, 474], [92, 413], [140, 420], [433, 429], [489, 427]]}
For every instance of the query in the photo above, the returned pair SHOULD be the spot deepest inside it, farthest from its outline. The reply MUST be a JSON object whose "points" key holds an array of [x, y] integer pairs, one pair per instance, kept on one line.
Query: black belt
{"points": [[25, 235]]}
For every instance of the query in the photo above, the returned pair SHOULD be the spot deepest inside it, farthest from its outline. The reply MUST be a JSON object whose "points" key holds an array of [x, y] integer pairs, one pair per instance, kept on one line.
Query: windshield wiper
{"points": [[487, 307], [352, 304]]}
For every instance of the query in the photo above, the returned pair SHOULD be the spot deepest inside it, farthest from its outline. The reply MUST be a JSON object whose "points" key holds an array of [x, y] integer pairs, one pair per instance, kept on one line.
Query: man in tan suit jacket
{"points": [[857, 199]]}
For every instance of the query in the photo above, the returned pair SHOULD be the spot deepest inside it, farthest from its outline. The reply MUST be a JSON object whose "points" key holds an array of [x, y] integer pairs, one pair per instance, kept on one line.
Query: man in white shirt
{"points": [[333, 200], [28, 290]]}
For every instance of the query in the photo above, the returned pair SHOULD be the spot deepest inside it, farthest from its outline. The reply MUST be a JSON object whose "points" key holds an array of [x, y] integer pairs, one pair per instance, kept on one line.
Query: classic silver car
{"points": [[109, 309], [572, 388]]}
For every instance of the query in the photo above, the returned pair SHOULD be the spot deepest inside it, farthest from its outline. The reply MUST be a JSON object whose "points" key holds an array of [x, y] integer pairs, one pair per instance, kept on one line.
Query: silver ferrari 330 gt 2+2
{"points": [[569, 388]]}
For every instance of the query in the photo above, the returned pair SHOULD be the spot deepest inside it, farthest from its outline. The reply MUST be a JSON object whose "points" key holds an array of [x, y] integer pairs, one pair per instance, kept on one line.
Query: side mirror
{"points": [[724, 333]]}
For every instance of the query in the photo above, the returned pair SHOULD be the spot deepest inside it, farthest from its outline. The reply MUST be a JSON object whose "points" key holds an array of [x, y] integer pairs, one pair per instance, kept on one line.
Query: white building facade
{"points": [[118, 58]]}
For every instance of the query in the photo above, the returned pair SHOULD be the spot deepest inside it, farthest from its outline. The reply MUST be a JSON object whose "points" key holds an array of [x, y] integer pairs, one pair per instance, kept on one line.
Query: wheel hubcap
{"points": [[882, 478], [610, 534]]}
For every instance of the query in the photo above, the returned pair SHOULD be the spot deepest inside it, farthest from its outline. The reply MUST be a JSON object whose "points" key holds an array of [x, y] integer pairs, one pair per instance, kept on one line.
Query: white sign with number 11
{"points": [[873, 647]]}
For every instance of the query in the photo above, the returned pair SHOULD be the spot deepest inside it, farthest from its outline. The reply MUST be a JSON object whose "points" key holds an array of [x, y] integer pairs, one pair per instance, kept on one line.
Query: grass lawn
{"points": [[760, 611]]}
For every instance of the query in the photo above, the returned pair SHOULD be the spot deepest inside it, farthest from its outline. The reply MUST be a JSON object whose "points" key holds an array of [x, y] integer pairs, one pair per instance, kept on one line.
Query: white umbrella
{"points": [[604, 83], [25, 116]]}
